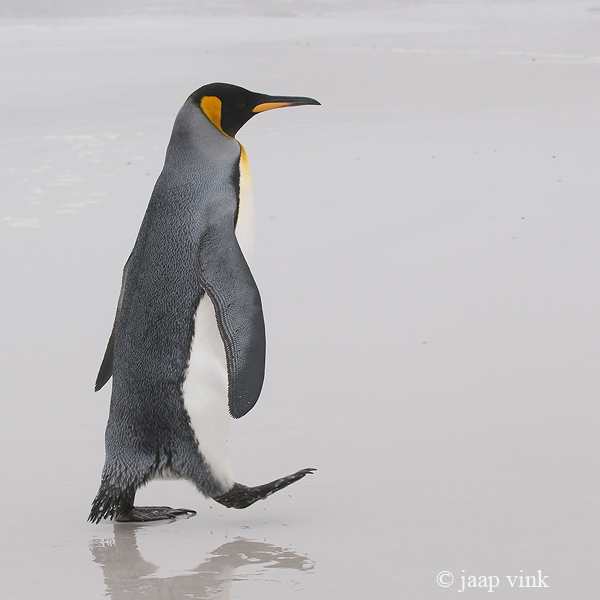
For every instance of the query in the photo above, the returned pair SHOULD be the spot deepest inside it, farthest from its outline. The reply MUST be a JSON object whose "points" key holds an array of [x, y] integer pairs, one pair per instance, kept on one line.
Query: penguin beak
{"points": [[270, 102]]}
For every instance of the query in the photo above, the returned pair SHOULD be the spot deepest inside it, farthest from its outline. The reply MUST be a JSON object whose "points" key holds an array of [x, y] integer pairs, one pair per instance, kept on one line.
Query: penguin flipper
{"points": [[225, 276], [106, 368]]}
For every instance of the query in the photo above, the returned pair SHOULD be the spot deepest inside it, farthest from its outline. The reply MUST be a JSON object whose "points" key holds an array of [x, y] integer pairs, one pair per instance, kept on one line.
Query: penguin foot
{"points": [[241, 496], [137, 514]]}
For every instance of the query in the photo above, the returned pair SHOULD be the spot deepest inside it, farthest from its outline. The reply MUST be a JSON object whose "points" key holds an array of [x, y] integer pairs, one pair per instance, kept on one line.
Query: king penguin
{"points": [[187, 349]]}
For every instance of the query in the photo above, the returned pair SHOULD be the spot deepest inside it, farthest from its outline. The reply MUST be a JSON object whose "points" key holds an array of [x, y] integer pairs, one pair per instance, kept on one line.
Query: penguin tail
{"points": [[111, 501], [241, 496]]}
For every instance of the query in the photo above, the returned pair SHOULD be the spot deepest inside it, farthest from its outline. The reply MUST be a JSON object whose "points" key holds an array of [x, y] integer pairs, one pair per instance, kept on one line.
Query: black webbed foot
{"points": [[140, 514], [241, 496]]}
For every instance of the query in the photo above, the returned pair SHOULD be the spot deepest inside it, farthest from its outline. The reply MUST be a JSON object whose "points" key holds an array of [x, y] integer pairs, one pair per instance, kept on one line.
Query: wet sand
{"points": [[426, 252]]}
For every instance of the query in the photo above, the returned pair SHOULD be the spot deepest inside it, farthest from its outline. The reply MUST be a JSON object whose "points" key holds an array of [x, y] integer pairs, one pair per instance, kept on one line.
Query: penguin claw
{"points": [[142, 514], [241, 496]]}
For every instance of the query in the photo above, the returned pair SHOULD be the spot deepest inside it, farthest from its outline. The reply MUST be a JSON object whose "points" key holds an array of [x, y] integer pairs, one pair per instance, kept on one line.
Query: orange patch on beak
{"points": [[269, 106]]}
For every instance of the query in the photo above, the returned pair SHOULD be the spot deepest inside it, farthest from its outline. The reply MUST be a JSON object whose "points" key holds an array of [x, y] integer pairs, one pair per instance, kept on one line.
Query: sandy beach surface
{"points": [[427, 254]]}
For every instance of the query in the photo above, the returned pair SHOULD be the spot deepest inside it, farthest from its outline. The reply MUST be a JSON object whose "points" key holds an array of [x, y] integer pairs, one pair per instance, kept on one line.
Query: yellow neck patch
{"points": [[211, 106]]}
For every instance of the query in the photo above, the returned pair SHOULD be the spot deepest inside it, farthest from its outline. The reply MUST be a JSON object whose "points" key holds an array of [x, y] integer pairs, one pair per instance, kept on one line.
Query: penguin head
{"points": [[228, 106]]}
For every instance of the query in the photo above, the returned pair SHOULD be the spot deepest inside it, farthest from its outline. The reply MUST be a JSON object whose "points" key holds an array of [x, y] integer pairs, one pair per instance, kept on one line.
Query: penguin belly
{"points": [[205, 392], [205, 388]]}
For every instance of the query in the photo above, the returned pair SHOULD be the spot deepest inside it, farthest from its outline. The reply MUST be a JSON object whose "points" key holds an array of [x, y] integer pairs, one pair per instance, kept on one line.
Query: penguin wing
{"points": [[106, 368], [225, 276]]}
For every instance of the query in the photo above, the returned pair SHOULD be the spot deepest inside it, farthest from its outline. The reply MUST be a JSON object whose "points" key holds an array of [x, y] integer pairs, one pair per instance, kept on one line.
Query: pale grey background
{"points": [[427, 255]]}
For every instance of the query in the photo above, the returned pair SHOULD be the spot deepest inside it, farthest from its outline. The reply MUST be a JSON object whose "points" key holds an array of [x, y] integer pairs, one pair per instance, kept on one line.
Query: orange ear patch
{"points": [[211, 105]]}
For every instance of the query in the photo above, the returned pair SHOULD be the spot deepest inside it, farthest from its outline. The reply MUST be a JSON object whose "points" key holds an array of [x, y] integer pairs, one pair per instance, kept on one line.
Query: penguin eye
{"points": [[241, 105]]}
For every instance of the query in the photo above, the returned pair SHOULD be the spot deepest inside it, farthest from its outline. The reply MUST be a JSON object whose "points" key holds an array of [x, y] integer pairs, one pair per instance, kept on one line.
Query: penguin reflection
{"points": [[126, 572]]}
